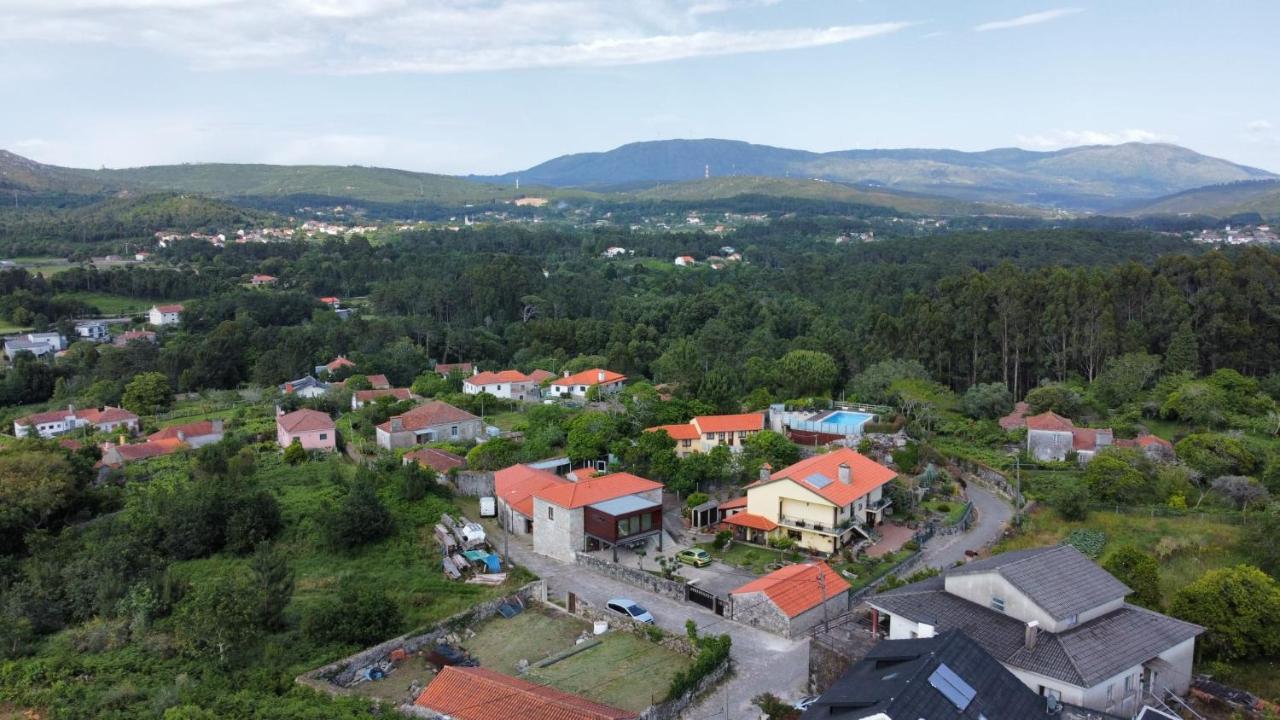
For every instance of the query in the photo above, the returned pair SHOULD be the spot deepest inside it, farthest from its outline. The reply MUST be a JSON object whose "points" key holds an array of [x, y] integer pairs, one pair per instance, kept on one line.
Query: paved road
{"points": [[991, 516], [763, 662]]}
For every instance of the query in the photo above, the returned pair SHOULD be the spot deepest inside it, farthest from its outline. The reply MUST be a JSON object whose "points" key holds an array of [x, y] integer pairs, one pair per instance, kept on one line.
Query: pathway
{"points": [[991, 516]]}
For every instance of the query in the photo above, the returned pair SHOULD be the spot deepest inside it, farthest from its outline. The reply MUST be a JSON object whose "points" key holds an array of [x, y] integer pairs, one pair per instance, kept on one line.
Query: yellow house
{"points": [[822, 503], [705, 432]]}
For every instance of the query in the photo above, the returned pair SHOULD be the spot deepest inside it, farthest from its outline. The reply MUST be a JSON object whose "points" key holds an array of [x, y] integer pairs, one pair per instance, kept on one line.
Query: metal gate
{"points": [[714, 603]]}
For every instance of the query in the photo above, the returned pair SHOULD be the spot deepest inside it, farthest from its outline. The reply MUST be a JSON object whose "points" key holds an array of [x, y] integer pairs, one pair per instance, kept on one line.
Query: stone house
{"points": [[429, 422], [791, 600], [601, 511]]}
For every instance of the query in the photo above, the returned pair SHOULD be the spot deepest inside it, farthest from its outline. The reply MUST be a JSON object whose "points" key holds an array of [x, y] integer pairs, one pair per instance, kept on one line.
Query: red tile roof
{"points": [[331, 300], [474, 693], [750, 520], [339, 362], [106, 415], [436, 459], [1049, 421], [865, 475], [596, 489], [1017, 418], [738, 502], [264, 278], [729, 423], [304, 421], [796, 588], [365, 396], [539, 375], [169, 308], [129, 336], [190, 430], [149, 449], [71, 444], [517, 484], [1084, 439], [590, 377], [446, 368], [502, 376], [583, 473], [379, 382], [683, 431], [428, 415]]}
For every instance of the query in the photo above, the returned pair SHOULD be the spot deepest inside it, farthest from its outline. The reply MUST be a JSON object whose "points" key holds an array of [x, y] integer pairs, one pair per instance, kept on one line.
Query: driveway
{"points": [[763, 662], [991, 516]]}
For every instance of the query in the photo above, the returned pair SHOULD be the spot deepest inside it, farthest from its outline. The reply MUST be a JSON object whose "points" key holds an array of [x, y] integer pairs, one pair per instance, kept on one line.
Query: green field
{"points": [[43, 265], [108, 304]]}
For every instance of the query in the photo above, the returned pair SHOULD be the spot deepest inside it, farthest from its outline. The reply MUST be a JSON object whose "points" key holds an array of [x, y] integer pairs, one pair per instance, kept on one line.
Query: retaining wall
{"points": [[473, 483], [633, 576]]}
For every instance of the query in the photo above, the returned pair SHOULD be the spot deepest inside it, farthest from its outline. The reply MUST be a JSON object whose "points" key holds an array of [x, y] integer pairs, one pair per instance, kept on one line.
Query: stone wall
{"points": [[674, 643], [473, 483], [673, 589], [672, 709], [334, 677], [755, 609], [830, 656]]}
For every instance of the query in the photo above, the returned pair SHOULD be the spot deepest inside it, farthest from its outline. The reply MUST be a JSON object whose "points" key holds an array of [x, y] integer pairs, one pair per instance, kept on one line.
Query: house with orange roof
{"points": [[335, 365], [705, 432], [514, 488], [439, 460], [791, 600], [332, 301], [196, 434], [476, 693], [115, 456], [57, 422], [822, 503], [360, 398], [312, 429], [262, 280], [577, 385], [1155, 448], [426, 423], [507, 384], [447, 369], [1052, 437], [165, 315], [601, 511]]}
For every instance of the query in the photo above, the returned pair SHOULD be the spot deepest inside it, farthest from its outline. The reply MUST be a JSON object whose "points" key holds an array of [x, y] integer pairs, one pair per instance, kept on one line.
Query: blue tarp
{"points": [[491, 561]]}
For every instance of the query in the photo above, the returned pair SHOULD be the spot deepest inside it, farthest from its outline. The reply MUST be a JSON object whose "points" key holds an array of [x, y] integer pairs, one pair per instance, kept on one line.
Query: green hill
{"points": [[1261, 196], [719, 188]]}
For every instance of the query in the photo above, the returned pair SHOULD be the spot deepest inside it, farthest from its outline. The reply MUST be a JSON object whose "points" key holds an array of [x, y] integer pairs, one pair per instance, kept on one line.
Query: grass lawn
{"points": [[44, 265], [752, 558], [953, 508], [625, 671], [1186, 547], [109, 304], [505, 420], [869, 570]]}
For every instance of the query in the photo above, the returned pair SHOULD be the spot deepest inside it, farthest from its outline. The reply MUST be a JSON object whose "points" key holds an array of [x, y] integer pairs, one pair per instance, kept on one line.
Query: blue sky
{"points": [[484, 86]]}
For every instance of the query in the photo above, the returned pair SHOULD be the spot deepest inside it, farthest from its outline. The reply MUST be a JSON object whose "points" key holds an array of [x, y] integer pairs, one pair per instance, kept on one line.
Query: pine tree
{"points": [[1183, 352]]}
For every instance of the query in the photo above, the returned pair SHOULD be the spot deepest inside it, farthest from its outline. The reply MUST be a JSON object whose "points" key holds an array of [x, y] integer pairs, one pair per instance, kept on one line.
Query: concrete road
{"points": [[763, 662], [991, 516]]}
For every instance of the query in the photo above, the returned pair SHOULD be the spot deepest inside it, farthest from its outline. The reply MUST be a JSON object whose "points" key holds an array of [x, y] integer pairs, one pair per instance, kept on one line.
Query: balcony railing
{"points": [[824, 528]]}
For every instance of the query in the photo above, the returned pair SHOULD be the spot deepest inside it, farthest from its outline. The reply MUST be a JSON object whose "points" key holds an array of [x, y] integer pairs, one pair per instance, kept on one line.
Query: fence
{"points": [[1231, 517]]}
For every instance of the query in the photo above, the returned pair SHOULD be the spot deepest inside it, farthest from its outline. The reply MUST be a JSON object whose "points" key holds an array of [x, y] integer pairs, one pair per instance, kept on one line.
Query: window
{"points": [[453, 431], [551, 513], [686, 443], [1128, 685], [324, 436], [646, 521], [997, 603]]}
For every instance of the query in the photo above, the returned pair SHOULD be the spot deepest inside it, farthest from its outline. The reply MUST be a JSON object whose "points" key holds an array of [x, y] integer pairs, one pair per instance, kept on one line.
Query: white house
{"points": [[57, 422], [1057, 621], [507, 384], [685, 261], [165, 315], [38, 344], [93, 330], [579, 384], [1051, 436], [305, 386]]}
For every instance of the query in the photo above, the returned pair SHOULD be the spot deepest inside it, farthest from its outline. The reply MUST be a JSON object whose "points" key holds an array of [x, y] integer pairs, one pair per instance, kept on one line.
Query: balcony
{"points": [[839, 530]]}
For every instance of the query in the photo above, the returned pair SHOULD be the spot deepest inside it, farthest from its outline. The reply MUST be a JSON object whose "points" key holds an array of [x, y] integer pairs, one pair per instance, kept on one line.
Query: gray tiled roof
{"points": [[1061, 580], [1081, 656]]}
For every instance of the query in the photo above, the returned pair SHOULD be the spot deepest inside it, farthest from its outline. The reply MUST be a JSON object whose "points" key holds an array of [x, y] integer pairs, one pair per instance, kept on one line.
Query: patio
{"points": [[892, 538]]}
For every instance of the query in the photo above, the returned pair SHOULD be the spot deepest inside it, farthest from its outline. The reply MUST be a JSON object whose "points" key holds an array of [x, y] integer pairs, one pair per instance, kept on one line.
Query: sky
{"points": [[488, 86]]}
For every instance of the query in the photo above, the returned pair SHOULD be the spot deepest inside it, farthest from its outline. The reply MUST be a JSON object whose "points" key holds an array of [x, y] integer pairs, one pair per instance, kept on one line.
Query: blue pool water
{"points": [[846, 418]]}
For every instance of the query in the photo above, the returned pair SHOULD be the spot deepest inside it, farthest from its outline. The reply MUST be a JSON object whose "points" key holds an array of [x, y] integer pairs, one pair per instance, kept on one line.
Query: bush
{"points": [[722, 539], [696, 499], [1071, 499], [1238, 607], [1140, 572], [360, 518], [712, 651], [361, 614], [295, 454], [782, 543]]}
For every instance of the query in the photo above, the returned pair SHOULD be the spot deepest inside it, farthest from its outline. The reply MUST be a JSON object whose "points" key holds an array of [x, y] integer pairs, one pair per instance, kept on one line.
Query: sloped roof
{"points": [[365, 396], [428, 415], [304, 421], [797, 588], [539, 375], [590, 377], [474, 693], [446, 368], [501, 376], [190, 430], [729, 423], [738, 502], [1061, 580], [436, 459], [597, 489], [1049, 421], [169, 308], [379, 382], [517, 484], [1017, 418], [149, 449], [866, 475], [753, 521], [107, 414], [339, 362], [683, 431], [894, 679]]}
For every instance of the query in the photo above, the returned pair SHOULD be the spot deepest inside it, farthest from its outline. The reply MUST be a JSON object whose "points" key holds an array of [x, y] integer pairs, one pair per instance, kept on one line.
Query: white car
{"points": [[629, 607]]}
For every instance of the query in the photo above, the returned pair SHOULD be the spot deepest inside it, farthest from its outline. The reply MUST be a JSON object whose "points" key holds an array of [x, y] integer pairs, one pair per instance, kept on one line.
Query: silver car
{"points": [[630, 608]]}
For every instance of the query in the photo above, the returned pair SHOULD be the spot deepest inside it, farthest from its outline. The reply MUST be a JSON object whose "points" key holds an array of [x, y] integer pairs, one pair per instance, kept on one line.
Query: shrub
{"points": [[295, 454], [696, 499], [360, 518], [722, 538], [1089, 542], [712, 651], [1071, 499], [1238, 606], [782, 543], [361, 614], [1139, 571]]}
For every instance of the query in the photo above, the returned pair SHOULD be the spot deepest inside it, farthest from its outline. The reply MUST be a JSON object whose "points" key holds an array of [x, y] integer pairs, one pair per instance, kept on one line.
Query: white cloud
{"points": [[1259, 126], [1030, 19], [414, 36], [1055, 139]]}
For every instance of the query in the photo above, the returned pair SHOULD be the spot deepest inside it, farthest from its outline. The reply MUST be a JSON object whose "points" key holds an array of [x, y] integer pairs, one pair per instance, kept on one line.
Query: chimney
{"points": [[217, 427], [846, 475], [566, 373], [397, 425], [600, 376], [1033, 631], [475, 370], [182, 436]]}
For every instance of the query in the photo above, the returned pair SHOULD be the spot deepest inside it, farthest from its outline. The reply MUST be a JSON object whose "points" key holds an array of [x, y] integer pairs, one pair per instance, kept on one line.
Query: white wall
{"points": [[560, 535], [979, 588]]}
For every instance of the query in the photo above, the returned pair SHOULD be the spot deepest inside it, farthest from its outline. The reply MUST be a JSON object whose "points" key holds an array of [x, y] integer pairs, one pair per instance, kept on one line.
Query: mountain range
{"points": [[1088, 178], [1129, 179]]}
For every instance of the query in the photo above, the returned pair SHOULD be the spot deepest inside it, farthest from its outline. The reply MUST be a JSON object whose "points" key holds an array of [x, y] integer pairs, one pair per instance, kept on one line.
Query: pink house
{"points": [[313, 429]]}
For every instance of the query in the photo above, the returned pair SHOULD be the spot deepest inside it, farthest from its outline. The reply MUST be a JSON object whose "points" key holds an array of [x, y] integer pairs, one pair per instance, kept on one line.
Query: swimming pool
{"points": [[846, 418]]}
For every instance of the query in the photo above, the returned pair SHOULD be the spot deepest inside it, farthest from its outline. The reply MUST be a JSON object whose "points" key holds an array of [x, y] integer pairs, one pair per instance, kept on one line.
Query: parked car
{"points": [[696, 557], [628, 607]]}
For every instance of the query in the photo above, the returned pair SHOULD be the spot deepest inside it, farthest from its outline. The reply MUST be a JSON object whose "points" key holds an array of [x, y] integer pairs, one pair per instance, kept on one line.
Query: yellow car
{"points": [[695, 557]]}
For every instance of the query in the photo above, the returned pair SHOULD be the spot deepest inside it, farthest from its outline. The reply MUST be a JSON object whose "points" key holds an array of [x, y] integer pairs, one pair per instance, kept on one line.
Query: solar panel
{"points": [[945, 681], [817, 480]]}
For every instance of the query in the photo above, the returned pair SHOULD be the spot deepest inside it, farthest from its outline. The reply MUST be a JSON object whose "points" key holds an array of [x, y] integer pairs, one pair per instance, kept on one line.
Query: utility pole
{"points": [[822, 583]]}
